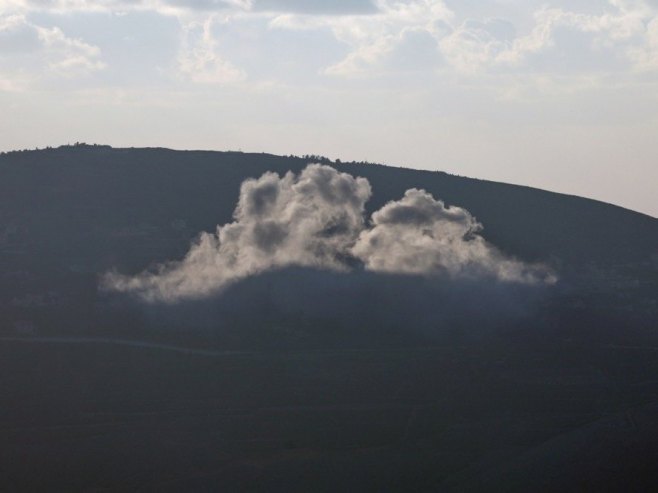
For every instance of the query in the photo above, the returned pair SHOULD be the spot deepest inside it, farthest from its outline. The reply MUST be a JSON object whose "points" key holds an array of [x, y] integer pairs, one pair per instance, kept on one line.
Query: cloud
{"points": [[17, 35], [645, 57], [69, 56], [199, 59], [26, 45], [205, 5], [316, 219], [372, 38], [174, 7], [473, 45], [466, 39], [316, 7]]}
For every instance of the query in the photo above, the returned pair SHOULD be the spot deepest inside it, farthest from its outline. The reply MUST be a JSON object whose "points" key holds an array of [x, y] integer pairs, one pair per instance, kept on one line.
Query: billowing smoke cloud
{"points": [[307, 220], [316, 219], [419, 235]]}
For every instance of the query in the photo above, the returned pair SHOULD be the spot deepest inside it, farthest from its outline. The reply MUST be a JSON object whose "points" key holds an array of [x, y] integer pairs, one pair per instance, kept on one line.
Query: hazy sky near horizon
{"points": [[555, 94]]}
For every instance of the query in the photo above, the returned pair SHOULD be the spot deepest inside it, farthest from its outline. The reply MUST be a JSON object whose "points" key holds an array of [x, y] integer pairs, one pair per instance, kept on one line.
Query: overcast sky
{"points": [[556, 94]]}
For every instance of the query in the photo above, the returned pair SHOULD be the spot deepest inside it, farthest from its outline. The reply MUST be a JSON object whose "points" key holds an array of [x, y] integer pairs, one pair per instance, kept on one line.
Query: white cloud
{"points": [[373, 30], [69, 56], [183, 7], [472, 45], [372, 37], [645, 57], [317, 7], [30, 50], [199, 59]]}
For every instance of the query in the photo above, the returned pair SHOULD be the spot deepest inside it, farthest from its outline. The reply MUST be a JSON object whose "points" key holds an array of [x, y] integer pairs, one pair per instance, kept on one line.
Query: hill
{"points": [[299, 379], [63, 191]]}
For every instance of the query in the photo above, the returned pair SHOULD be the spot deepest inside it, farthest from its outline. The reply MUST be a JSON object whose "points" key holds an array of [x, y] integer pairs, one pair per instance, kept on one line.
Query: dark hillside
{"points": [[308, 380], [71, 213], [88, 194]]}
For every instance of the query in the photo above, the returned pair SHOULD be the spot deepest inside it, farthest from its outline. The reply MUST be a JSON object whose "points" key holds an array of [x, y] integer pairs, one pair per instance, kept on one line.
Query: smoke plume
{"points": [[316, 219], [420, 235]]}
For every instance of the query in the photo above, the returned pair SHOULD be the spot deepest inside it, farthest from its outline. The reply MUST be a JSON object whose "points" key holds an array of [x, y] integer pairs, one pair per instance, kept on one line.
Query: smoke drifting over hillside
{"points": [[316, 219]]}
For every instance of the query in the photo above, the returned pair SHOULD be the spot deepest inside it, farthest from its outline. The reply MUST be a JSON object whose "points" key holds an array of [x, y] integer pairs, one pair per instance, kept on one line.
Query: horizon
{"points": [[550, 95], [322, 159]]}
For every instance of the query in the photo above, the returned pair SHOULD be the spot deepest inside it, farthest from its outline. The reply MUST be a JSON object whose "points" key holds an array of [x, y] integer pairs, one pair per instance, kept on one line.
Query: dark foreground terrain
{"points": [[100, 416], [394, 388]]}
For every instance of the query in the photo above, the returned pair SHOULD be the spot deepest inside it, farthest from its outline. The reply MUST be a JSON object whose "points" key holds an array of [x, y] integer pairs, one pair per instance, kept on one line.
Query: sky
{"points": [[555, 94]]}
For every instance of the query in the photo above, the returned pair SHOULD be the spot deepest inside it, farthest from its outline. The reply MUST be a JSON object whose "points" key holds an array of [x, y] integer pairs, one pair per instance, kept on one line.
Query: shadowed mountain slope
{"points": [[308, 380], [78, 200]]}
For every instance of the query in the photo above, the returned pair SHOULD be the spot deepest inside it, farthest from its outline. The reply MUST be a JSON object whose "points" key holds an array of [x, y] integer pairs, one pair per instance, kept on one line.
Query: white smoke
{"points": [[420, 235], [316, 219], [307, 220]]}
